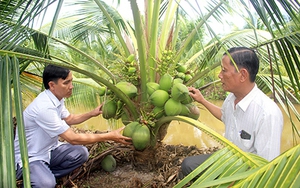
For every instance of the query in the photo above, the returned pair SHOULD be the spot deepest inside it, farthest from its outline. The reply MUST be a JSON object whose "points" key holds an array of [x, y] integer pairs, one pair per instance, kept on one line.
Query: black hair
{"points": [[245, 58], [53, 73]]}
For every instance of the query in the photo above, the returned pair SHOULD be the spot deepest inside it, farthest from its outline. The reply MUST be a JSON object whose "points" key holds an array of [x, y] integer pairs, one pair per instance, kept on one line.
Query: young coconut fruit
{"points": [[184, 110], [177, 80], [125, 118], [181, 68], [187, 99], [187, 77], [128, 88], [151, 87], [165, 82], [179, 92], [190, 110], [172, 107], [181, 75], [109, 163], [159, 98], [101, 91], [109, 109], [130, 58], [158, 112], [130, 128], [141, 137], [195, 111]]}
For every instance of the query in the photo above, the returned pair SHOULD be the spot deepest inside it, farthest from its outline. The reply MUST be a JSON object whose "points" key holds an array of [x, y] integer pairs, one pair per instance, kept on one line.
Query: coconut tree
{"points": [[142, 52]]}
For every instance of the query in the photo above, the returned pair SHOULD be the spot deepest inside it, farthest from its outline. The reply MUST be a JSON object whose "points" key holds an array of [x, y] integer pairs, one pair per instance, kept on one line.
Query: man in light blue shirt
{"points": [[46, 119]]}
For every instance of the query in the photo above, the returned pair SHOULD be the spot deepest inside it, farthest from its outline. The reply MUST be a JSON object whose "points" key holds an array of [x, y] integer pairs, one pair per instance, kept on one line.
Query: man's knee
{"points": [[41, 175], [187, 166], [84, 154], [44, 182], [191, 163]]}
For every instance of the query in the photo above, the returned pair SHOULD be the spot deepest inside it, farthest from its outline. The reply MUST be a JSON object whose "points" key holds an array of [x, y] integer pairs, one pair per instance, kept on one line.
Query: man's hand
{"points": [[196, 94], [97, 111], [118, 137]]}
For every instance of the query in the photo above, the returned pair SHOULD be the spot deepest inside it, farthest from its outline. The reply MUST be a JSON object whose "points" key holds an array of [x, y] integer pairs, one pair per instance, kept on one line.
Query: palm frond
{"points": [[17, 18], [275, 173], [229, 167]]}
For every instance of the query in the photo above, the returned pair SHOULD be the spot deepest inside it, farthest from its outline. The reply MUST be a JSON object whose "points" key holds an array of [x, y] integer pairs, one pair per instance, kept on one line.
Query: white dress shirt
{"points": [[260, 117], [43, 121]]}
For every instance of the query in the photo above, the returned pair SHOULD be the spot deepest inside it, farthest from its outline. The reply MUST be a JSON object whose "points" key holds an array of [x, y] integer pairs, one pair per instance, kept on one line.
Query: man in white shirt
{"points": [[47, 118], [252, 120]]}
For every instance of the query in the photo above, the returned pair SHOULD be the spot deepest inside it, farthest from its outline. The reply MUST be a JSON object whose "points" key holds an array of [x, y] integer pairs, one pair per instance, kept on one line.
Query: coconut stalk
{"points": [[153, 31], [7, 157], [20, 123], [141, 48]]}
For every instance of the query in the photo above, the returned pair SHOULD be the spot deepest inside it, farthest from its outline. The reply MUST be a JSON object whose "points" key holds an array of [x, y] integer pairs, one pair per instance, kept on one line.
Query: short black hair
{"points": [[53, 73], [245, 58]]}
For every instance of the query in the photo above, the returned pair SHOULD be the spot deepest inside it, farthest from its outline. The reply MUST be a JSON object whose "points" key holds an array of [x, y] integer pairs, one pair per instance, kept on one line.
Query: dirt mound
{"points": [[153, 167]]}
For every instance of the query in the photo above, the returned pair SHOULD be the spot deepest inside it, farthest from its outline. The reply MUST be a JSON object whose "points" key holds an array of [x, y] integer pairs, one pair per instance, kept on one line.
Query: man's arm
{"points": [[74, 119], [213, 109], [83, 139]]}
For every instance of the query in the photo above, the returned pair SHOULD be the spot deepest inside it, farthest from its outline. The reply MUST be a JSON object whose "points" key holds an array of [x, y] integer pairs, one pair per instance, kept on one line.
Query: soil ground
{"points": [[153, 168]]}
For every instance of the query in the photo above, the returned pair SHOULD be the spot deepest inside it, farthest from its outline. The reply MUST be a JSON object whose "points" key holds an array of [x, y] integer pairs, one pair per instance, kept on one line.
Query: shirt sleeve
{"points": [[64, 112]]}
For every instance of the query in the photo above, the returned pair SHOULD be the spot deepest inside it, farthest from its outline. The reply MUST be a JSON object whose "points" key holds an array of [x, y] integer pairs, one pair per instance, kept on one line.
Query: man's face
{"points": [[229, 75], [63, 88]]}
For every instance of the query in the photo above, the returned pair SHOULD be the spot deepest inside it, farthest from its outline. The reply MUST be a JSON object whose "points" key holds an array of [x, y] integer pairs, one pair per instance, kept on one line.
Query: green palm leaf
{"points": [[232, 167], [6, 125], [283, 171]]}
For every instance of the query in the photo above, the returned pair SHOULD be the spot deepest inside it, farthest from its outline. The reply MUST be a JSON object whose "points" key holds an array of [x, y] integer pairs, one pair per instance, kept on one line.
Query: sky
{"points": [[125, 10]]}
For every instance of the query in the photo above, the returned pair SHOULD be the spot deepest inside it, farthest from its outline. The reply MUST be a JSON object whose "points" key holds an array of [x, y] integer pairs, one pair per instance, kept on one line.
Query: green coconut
{"points": [[181, 68], [109, 163], [102, 91], [109, 109], [130, 58], [159, 98], [141, 137], [180, 75], [151, 87], [179, 92], [172, 107], [125, 118], [129, 129], [128, 88], [177, 80], [165, 82], [187, 99], [185, 111], [131, 69], [158, 112], [194, 111], [187, 77]]}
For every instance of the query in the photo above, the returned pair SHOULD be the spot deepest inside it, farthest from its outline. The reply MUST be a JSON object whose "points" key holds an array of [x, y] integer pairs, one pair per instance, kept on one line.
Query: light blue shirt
{"points": [[259, 116], [43, 120]]}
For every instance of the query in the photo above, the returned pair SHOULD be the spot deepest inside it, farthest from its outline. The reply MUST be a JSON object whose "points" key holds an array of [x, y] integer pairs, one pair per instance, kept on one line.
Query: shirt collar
{"points": [[244, 103], [53, 98]]}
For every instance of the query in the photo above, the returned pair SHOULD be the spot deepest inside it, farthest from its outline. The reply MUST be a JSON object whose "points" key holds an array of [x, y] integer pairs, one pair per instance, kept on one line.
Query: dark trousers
{"points": [[191, 163], [64, 160]]}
